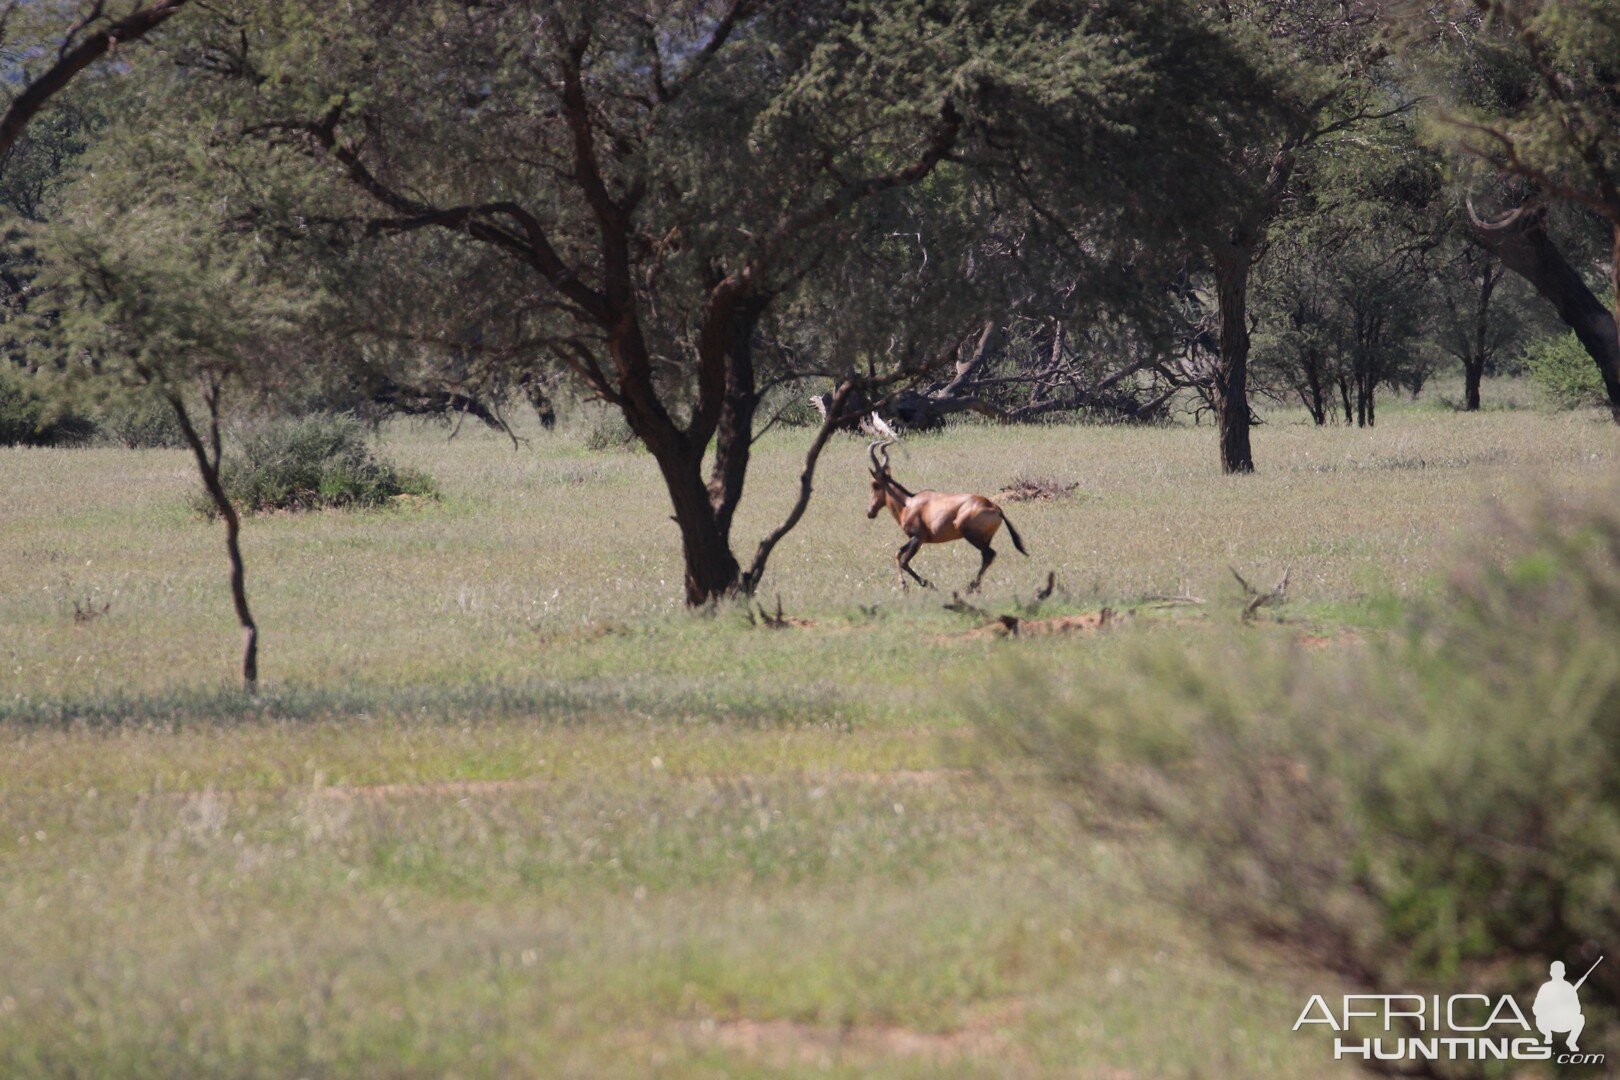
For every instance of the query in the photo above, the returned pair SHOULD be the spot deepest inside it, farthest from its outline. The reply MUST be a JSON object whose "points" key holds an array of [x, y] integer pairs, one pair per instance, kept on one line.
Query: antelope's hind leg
{"points": [[987, 556], [903, 561]]}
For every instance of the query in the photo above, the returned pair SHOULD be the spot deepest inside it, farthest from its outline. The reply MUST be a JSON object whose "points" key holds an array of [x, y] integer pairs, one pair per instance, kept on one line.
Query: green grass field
{"points": [[504, 808]]}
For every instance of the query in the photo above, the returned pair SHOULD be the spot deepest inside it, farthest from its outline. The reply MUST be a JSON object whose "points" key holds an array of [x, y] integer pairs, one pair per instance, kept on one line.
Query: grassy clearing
{"points": [[505, 809], [556, 563]]}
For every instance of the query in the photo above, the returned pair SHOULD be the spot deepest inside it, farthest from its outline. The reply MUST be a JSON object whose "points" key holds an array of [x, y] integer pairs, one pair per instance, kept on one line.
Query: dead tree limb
{"points": [[1258, 599], [834, 418]]}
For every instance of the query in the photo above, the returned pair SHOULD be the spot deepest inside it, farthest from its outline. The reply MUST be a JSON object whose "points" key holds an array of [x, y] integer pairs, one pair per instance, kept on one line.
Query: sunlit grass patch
{"points": [[504, 807]]}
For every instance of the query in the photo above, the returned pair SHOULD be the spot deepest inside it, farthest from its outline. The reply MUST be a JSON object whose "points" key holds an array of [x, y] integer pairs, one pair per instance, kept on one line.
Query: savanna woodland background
{"points": [[439, 629]]}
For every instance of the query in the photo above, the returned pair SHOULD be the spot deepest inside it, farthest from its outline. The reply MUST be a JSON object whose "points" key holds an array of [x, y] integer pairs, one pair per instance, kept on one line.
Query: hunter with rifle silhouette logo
{"points": [[1558, 1006]]}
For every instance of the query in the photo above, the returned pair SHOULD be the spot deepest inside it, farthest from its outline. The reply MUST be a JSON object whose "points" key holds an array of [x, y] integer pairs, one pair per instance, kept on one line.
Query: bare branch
{"points": [[830, 423]]}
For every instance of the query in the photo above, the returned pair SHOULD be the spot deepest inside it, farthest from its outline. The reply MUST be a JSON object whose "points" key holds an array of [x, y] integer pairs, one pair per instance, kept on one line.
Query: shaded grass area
{"points": [[504, 809]]}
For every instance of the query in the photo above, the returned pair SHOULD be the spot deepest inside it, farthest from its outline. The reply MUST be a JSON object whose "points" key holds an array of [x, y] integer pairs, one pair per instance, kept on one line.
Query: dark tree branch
{"points": [[70, 61], [944, 139], [835, 417]]}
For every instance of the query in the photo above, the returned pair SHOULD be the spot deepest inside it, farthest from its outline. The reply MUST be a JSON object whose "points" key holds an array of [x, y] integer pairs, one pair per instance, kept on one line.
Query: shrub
{"points": [[26, 420], [141, 426], [1562, 370], [610, 432], [313, 463], [1440, 810]]}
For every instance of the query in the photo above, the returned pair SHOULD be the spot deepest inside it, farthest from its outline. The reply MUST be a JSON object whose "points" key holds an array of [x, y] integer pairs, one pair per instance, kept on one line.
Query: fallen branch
{"points": [[1258, 599], [1051, 585], [1172, 601], [777, 621], [962, 607], [1183, 597]]}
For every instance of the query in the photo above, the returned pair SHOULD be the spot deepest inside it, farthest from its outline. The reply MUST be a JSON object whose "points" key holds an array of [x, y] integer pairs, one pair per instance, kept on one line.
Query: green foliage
{"points": [[313, 463], [26, 419], [1532, 76], [140, 424], [19, 415], [1563, 370], [144, 293], [1442, 807]]}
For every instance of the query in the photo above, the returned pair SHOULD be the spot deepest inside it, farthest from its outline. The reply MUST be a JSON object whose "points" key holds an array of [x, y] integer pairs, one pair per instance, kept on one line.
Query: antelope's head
{"points": [[880, 477]]}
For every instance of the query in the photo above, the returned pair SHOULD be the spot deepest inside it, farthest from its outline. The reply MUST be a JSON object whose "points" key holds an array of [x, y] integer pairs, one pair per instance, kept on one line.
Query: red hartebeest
{"points": [[932, 517]]}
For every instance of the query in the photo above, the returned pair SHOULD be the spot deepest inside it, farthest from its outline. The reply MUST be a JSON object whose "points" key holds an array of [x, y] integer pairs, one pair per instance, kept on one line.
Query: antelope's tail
{"points": [[1018, 541]]}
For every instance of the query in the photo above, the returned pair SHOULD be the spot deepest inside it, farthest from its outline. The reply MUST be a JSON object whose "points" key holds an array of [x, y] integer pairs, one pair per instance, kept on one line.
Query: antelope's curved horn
{"points": [[872, 452]]}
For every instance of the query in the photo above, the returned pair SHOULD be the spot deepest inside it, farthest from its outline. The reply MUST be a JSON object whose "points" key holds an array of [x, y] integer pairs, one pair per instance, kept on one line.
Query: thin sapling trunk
{"points": [[207, 454]]}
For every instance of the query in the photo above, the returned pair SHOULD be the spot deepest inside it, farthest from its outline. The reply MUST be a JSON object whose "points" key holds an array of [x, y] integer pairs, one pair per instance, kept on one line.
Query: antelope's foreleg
{"points": [[903, 560]]}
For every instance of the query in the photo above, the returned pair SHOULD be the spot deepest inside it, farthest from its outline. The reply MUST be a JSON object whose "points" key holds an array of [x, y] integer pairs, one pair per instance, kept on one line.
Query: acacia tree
{"points": [[654, 174], [147, 288], [1525, 91], [1348, 286], [657, 176], [1482, 316], [51, 44], [1322, 55], [46, 47]]}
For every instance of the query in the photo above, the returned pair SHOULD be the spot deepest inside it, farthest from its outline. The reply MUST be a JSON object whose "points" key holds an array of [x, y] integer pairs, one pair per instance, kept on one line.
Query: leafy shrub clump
{"points": [[26, 420], [141, 425], [316, 462], [1562, 370], [1437, 811]]}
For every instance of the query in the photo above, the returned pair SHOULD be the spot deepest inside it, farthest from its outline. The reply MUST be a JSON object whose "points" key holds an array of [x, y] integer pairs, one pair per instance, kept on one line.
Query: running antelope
{"points": [[932, 517]]}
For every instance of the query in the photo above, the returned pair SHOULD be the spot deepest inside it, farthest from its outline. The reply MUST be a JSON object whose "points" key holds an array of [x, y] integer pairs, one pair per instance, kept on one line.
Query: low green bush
{"points": [[315, 462], [1440, 810], [26, 419], [1561, 369], [141, 425]]}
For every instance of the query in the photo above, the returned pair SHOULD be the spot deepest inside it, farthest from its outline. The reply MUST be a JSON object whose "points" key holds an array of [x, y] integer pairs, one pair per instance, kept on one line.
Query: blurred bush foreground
{"points": [[1438, 813]]}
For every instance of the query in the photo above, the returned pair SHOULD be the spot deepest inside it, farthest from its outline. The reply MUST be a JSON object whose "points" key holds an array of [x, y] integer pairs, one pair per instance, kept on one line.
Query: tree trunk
{"points": [[1231, 384], [837, 407], [208, 457], [711, 568], [734, 434], [1473, 372], [1315, 401], [1480, 353], [1524, 247]]}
